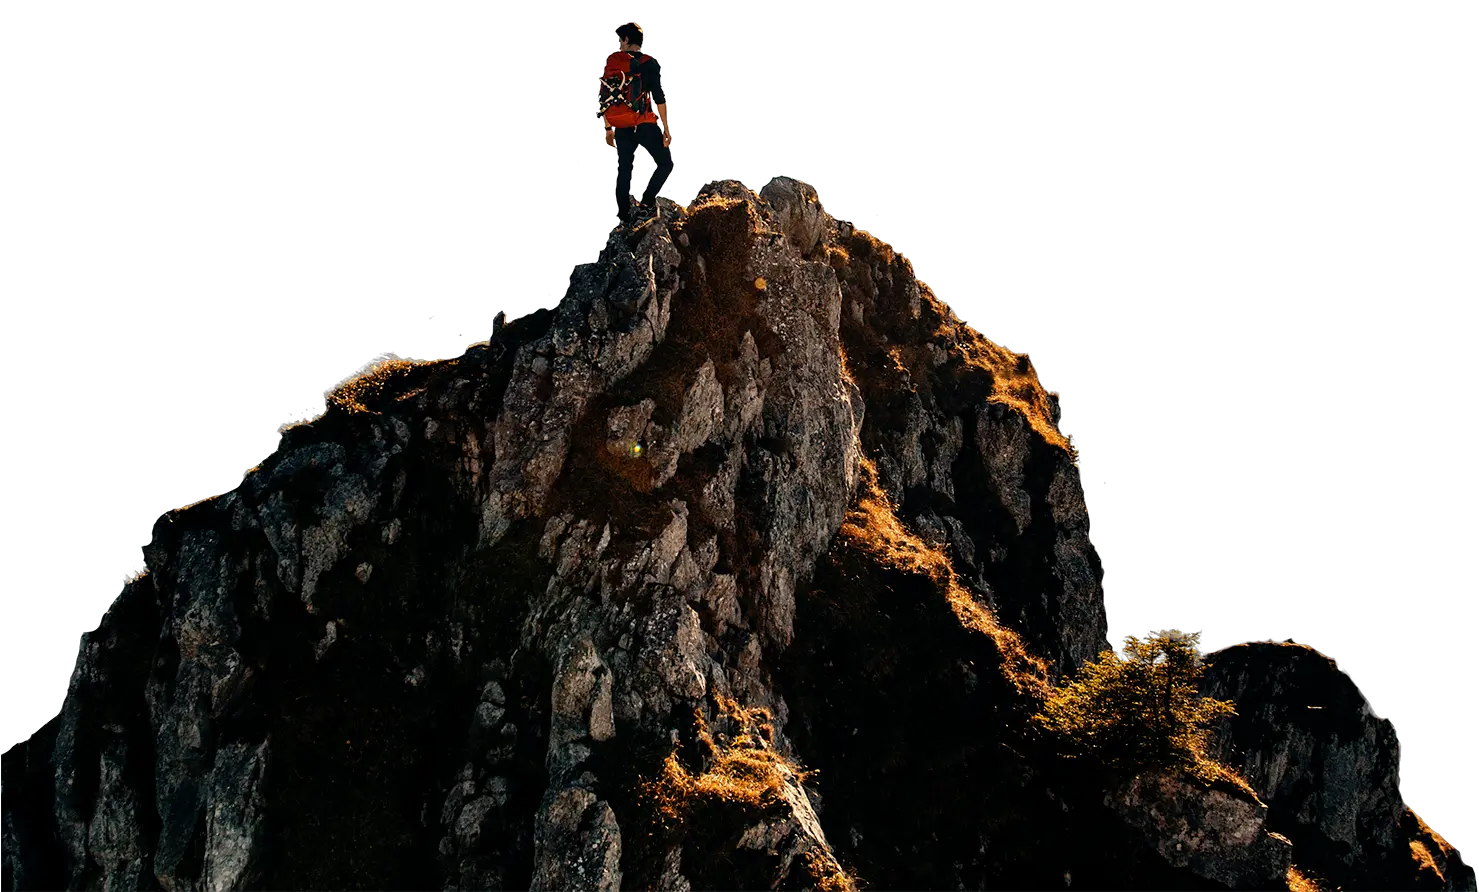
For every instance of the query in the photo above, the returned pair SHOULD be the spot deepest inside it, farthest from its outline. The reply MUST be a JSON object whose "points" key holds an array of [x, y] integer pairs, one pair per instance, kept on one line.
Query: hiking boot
{"points": [[638, 215]]}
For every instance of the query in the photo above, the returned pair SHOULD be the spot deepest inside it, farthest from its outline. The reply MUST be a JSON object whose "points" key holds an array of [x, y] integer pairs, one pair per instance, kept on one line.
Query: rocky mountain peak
{"points": [[744, 566]]}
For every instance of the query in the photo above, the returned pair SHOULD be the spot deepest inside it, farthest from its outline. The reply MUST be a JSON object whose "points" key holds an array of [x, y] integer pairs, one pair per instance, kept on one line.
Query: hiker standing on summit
{"points": [[630, 85]]}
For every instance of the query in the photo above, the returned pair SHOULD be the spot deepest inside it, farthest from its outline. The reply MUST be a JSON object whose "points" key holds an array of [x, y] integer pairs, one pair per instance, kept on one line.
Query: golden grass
{"points": [[1299, 881], [896, 359], [1209, 771], [364, 388], [826, 874], [874, 528], [1014, 382], [355, 392], [1443, 844], [1422, 846], [1423, 858], [743, 772], [844, 367]]}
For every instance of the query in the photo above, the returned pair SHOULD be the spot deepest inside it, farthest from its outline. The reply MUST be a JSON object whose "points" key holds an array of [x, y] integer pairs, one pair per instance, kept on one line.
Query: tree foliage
{"points": [[1140, 711]]}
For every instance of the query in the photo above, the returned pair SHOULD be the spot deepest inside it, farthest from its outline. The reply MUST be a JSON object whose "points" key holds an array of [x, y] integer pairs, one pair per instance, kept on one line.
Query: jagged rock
{"points": [[1217, 833], [1308, 742], [744, 566]]}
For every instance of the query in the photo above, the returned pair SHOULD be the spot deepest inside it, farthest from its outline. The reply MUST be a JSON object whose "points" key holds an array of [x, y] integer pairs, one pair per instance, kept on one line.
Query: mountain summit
{"points": [[746, 566]]}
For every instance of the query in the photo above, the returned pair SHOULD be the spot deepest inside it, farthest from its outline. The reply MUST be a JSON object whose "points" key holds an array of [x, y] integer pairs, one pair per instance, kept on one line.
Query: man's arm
{"points": [[654, 83]]}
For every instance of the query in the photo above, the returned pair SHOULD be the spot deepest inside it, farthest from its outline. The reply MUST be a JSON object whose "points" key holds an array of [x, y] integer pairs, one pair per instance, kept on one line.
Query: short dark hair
{"points": [[631, 32]]}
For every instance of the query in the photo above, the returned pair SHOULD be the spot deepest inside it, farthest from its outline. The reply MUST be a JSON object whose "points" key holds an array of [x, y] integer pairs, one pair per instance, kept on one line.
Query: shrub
{"points": [[1140, 711]]}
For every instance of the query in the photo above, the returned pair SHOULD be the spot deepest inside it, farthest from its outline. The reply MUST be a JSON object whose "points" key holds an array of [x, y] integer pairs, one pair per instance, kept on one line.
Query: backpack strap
{"points": [[637, 101]]}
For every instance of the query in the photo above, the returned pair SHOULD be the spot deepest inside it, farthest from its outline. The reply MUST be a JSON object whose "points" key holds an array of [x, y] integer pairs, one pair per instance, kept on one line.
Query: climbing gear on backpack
{"points": [[624, 100]]}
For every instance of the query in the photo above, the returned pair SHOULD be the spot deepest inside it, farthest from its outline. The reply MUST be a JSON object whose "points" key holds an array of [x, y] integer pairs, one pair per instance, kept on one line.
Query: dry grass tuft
{"points": [[1444, 847], [1210, 771], [1015, 380], [742, 769], [1430, 852], [365, 387], [744, 778], [1300, 881], [874, 528], [1423, 858], [844, 367], [364, 391], [826, 874]]}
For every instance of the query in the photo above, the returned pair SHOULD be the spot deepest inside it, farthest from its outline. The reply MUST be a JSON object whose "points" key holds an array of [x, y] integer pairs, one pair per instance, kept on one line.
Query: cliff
{"points": [[743, 567]]}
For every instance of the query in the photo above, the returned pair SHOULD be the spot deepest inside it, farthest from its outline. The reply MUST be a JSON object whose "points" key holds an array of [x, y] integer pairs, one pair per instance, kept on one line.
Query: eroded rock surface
{"points": [[1218, 833]]}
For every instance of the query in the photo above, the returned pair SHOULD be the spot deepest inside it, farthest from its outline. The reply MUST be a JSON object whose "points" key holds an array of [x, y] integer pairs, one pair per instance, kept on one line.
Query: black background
{"points": [[1214, 252]]}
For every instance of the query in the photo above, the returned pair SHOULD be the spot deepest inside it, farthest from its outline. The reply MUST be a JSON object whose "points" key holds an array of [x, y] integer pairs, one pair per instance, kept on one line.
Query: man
{"points": [[645, 133]]}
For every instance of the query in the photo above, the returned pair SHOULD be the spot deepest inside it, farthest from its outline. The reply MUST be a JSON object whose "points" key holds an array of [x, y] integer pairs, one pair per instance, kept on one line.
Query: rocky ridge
{"points": [[742, 567]]}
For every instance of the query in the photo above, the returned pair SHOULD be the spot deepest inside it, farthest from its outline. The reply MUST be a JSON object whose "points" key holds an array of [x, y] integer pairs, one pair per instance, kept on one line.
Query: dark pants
{"points": [[649, 137]]}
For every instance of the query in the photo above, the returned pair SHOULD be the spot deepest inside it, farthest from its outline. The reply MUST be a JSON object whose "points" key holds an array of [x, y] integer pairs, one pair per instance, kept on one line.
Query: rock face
{"points": [[1219, 833], [743, 567], [1307, 741]]}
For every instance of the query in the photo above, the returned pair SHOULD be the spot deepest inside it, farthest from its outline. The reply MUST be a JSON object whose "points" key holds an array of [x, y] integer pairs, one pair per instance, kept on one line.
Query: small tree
{"points": [[1142, 711]]}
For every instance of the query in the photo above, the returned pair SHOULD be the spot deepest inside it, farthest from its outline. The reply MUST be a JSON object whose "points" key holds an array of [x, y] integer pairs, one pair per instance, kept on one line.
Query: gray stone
{"points": [[1218, 834]]}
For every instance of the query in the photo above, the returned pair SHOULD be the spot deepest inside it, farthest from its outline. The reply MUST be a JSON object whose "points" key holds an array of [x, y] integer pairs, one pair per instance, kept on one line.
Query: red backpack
{"points": [[624, 101]]}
